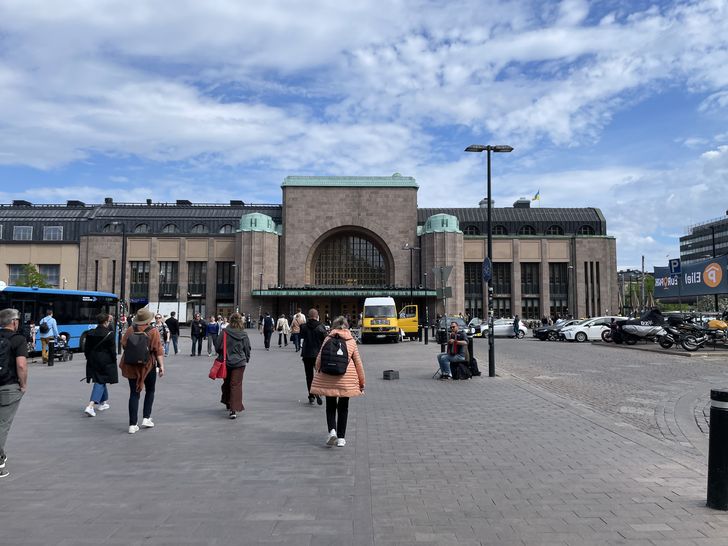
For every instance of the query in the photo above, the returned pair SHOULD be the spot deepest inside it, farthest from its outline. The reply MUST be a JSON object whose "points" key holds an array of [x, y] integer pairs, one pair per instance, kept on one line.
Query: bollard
{"points": [[718, 450], [470, 348], [426, 330], [419, 333]]}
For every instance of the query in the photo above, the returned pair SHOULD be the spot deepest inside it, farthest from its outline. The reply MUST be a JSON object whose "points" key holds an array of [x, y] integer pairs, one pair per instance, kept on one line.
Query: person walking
{"points": [[198, 330], [173, 326], [299, 319], [141, 372], [100, 351], [234, 343], [48, 328], [267, 328], [516, 326], [283, 329], [161, 327], [211, 332], [313, 334], [13, 376], [338, 389]]}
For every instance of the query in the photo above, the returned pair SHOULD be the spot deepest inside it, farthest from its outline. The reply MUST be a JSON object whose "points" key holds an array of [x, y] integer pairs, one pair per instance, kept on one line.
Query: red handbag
{"points": [[219, 368]]}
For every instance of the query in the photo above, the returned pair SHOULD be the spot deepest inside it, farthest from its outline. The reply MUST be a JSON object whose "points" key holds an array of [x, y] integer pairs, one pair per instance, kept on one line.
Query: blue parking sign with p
{"points": [[675, 268]]}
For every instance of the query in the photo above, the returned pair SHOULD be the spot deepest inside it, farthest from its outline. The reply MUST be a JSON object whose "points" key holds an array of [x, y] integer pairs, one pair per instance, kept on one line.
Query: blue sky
{"points": [[621, 105]]}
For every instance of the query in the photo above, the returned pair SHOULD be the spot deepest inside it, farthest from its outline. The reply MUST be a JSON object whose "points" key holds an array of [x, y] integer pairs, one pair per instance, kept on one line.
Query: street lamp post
{"points": [[491, 338], [122, 294], [412, 274], [427, 312], [235, 291]]}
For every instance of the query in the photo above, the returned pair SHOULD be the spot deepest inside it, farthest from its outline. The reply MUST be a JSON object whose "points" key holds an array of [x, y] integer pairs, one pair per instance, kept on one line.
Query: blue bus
{"points": [[74, 310]]}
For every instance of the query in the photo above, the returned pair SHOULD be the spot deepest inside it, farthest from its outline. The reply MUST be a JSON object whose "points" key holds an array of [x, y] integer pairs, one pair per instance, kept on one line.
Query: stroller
{"points": [[61, 350]]}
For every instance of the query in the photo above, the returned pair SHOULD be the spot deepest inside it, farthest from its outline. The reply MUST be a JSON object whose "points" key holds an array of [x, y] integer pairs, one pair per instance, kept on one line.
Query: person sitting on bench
{"points": [[457, 346]]}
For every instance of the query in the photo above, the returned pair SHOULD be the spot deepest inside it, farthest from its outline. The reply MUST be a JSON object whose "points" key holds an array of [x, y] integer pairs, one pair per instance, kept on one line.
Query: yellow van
{"points": [[379, 320], [409, 320]]}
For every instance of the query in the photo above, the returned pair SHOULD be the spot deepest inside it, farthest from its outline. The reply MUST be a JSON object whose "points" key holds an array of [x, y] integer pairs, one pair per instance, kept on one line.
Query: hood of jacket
{"points": [[311, 323], [235, 333], [343, 334]]}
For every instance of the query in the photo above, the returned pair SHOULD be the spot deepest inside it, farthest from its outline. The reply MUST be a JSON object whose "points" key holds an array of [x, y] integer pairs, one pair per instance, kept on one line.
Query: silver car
{"points": [[502, 327]]}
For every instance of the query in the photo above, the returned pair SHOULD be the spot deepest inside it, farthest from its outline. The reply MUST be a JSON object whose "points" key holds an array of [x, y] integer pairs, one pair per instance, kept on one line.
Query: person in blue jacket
{"points": [[48, 329]]}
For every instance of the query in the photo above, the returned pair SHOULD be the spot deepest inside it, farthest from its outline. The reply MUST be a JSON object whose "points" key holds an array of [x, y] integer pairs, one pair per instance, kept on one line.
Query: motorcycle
{"points": [[648, 327]]}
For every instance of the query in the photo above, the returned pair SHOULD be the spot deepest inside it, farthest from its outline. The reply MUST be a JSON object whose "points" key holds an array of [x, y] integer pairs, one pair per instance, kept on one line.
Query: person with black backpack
{"points": [[268, 327], [13, 375], [312, 335], [339, 376], [143, 355], [100, 352]]}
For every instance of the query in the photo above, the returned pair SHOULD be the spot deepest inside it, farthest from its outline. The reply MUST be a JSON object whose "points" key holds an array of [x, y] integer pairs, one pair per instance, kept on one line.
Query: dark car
{"points": [[551, 333], [444, 327]]}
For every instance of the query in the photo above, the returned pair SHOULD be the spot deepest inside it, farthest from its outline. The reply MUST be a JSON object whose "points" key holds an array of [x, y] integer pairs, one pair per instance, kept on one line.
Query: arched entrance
{"points": [[350, 258]]}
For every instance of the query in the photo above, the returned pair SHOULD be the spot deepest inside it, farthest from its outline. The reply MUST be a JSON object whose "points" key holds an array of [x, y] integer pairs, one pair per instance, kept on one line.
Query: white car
{"points": [[589, 329], [502, 327]]}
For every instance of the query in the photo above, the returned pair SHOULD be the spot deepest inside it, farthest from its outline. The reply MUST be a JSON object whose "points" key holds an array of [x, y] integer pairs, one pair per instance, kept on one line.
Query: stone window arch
{"points": [[142, 228], [199, 228], [586, 230], [500, 230], [226, 228], [170, 228], [471, 230], [527, 230], [555, 230], [349, 258]]}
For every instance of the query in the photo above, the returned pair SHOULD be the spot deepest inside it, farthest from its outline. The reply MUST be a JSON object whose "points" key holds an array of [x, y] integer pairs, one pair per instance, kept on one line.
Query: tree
{"points": [[32, 277]]}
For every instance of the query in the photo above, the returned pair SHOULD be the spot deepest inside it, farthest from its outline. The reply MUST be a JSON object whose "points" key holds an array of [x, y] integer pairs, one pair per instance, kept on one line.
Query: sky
{"points": [[615, 104]]}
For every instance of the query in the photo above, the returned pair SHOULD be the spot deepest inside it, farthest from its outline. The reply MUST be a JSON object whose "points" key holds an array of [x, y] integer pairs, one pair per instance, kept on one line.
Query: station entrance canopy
{"points": [[704, 278], [344, 292]]}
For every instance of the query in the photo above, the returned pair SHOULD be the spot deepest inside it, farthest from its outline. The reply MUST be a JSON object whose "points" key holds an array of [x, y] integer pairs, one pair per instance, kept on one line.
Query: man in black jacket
{"points": [[268, 327], [313, 334], [198, 332], [173, 325]]}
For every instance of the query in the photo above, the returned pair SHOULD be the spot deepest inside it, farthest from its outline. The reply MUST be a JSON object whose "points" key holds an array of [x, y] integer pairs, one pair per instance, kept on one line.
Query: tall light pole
{"points": [[407, 246], [235, 291], [500, 148], [427, 311], [122, 295]]}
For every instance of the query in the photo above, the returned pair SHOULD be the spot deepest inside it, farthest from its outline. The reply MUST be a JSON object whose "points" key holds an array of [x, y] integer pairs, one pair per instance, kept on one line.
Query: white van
{"points": [[379, 320]]}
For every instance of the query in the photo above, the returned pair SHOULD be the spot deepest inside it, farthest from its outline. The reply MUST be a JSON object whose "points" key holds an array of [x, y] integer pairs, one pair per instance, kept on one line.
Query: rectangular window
{"points": [[558, 279], [16, 273], [473, 279], [1, 231], [139, 288], [530, 284], [51, 273], [502, 280], [52, 233], [22, 233], [502, 308], [225, 275], [196, 279], [530, 308], [168, 279]]}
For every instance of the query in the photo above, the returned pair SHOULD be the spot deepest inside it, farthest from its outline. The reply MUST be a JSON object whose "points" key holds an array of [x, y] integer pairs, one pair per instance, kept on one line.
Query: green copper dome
{"points": [[442, 223], [256, 221]]}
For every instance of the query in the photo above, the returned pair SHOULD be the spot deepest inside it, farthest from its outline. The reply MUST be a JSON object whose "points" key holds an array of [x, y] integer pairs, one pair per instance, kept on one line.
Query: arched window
{"points": [[500, 230], [555, 230], [349, 259], [471, 230], [199, 228], [227, 228], [111, 228], [170, 228], [527, 230], [586, 230], [142, 228]]}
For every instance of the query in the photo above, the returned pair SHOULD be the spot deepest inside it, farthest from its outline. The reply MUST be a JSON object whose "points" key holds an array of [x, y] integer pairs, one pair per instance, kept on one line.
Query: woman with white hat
{"points": [[143, 354]]}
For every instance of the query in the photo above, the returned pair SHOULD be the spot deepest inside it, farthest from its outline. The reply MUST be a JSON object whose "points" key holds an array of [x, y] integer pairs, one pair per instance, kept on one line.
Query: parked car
{"points": [[552, 333], [588, 329], [479, 326], [444, 328], [502, 327]]}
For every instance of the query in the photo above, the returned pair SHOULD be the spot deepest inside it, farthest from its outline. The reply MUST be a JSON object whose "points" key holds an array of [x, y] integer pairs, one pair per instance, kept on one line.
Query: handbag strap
{"points": [[224, 347]]}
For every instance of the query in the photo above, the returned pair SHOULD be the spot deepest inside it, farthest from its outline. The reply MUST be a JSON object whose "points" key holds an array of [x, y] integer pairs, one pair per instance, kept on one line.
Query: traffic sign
{"points": [[444, 292], [442, 272], [675, 267], [487, 270]]}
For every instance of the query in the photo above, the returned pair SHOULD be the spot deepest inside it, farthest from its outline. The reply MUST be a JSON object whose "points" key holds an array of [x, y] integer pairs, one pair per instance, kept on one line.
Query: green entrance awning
{"points": [[315, 292]]}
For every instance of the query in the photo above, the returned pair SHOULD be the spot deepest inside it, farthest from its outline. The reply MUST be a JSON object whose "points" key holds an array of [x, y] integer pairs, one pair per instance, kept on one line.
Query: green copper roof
{"points": [[442, 223], [394, 181], [255, 221]]}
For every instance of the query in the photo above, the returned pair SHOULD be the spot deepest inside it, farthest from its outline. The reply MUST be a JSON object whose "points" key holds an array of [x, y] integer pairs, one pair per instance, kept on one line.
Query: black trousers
{"points": [[337, 406], [196, 340], [308, 365], [150, 383], [266, 337]]}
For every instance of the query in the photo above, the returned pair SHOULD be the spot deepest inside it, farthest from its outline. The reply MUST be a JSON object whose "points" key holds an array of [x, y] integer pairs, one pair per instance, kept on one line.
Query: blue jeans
{"points": [[445, 359], [99, 394], [166, 348], [174, 344]]}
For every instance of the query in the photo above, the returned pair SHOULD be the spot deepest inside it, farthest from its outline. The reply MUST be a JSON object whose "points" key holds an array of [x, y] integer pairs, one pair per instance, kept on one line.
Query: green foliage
{"points": [[32, 277]]}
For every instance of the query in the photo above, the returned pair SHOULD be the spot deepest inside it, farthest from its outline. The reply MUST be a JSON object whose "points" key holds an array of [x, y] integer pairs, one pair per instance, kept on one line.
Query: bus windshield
{"points": [[379, 311]]}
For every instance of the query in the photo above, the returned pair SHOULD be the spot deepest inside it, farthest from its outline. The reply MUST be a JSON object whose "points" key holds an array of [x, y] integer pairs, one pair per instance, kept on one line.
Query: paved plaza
{"points": [[570, 444]]}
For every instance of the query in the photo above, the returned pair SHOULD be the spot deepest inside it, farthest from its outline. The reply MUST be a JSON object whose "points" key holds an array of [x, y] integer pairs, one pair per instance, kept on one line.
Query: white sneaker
{"points": [[147, 423], [89, 410], [133, 429], [341, 442], [331, 440], [103, 407]]}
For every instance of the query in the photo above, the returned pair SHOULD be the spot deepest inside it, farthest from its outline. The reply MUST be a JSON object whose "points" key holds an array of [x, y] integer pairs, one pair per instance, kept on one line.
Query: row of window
{"points": [[51, 274], [115, 227], [169, 279], [25, 233], [528, 230]]}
